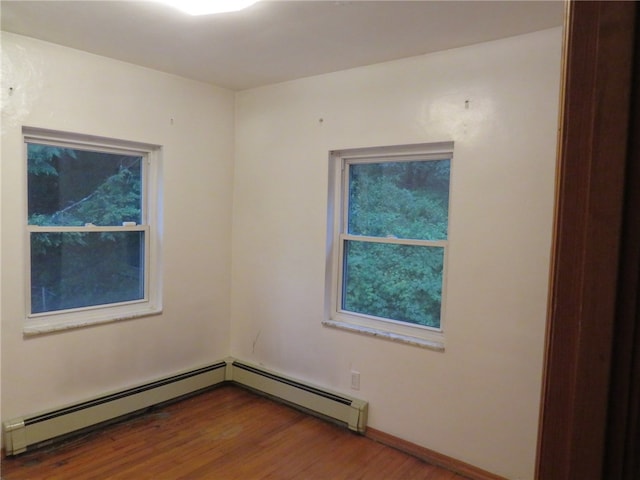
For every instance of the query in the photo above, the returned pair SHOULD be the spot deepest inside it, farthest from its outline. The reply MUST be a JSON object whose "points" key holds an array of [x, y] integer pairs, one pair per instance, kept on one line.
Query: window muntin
{"points": [[92, 207], [391, 214]]}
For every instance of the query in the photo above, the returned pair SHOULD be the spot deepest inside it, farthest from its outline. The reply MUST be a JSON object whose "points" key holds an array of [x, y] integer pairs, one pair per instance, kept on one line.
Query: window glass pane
{"points": [[73, 270], [399, 199], [399, 282], [71, 187]]}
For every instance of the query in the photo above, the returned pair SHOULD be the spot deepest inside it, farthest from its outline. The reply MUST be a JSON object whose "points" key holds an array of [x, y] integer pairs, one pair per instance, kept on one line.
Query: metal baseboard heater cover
{"points": [[25, 432], [21, 433], [337, 406]]}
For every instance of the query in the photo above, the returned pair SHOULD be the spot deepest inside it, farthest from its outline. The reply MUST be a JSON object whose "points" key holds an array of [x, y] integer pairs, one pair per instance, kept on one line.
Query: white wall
{"points": [[478, 401], [69, 90]]}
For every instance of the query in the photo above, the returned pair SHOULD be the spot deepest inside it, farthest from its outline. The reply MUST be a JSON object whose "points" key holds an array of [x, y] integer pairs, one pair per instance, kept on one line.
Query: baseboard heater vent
{"points": [[336, 406], [21, 433], [31, 431]]}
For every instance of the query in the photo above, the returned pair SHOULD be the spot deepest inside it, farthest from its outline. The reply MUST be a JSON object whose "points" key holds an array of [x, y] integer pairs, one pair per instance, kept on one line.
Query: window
{"points": [[389, 211], [92, 226]]}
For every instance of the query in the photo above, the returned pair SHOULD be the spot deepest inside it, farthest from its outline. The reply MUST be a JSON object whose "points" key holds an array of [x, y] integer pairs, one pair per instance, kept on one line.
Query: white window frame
{"points": [[337, 235], [151, 303]]}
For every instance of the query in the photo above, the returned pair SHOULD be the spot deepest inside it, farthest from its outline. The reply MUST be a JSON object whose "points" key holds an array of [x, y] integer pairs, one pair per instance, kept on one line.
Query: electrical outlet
{"points": [[355, 380]]}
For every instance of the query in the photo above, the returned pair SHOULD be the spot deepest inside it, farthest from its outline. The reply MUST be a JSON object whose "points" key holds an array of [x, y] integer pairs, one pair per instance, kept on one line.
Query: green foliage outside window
{"points": [[73, 188], [396, 200]]}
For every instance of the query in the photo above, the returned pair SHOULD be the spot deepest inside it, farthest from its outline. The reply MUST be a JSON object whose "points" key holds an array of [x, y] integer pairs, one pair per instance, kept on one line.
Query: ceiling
{"points": [[273, 41]]}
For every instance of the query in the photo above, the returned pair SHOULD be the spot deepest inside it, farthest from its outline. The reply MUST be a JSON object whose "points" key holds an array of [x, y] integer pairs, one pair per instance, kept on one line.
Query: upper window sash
{"points": [[142, 153], [345, 183]]}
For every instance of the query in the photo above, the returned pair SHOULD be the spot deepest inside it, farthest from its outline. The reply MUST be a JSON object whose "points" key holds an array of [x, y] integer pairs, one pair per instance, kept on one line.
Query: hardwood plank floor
{"points": [[228, 433]]}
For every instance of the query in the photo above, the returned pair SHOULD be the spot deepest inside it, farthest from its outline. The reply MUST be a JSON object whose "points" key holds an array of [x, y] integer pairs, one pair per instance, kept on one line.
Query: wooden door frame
{"points": [[622, 452], [593, 154]]}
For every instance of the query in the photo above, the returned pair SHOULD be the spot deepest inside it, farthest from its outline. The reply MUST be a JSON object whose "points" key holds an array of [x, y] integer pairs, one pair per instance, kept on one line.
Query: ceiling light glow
{"points": [[208, 7]]}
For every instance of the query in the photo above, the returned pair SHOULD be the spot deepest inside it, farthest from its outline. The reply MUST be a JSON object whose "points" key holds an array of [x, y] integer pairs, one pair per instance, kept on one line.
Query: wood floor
{"points": [[226, 433]]}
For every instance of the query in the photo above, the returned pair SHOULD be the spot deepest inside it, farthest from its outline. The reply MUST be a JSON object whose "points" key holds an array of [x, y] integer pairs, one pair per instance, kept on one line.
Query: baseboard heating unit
{"points": [[347, 410], [33, 430], [21, 433]]}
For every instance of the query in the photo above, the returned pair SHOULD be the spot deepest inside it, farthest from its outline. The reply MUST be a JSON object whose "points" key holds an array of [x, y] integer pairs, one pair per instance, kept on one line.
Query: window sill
{"points": [[394, 337], [46, 326]]}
